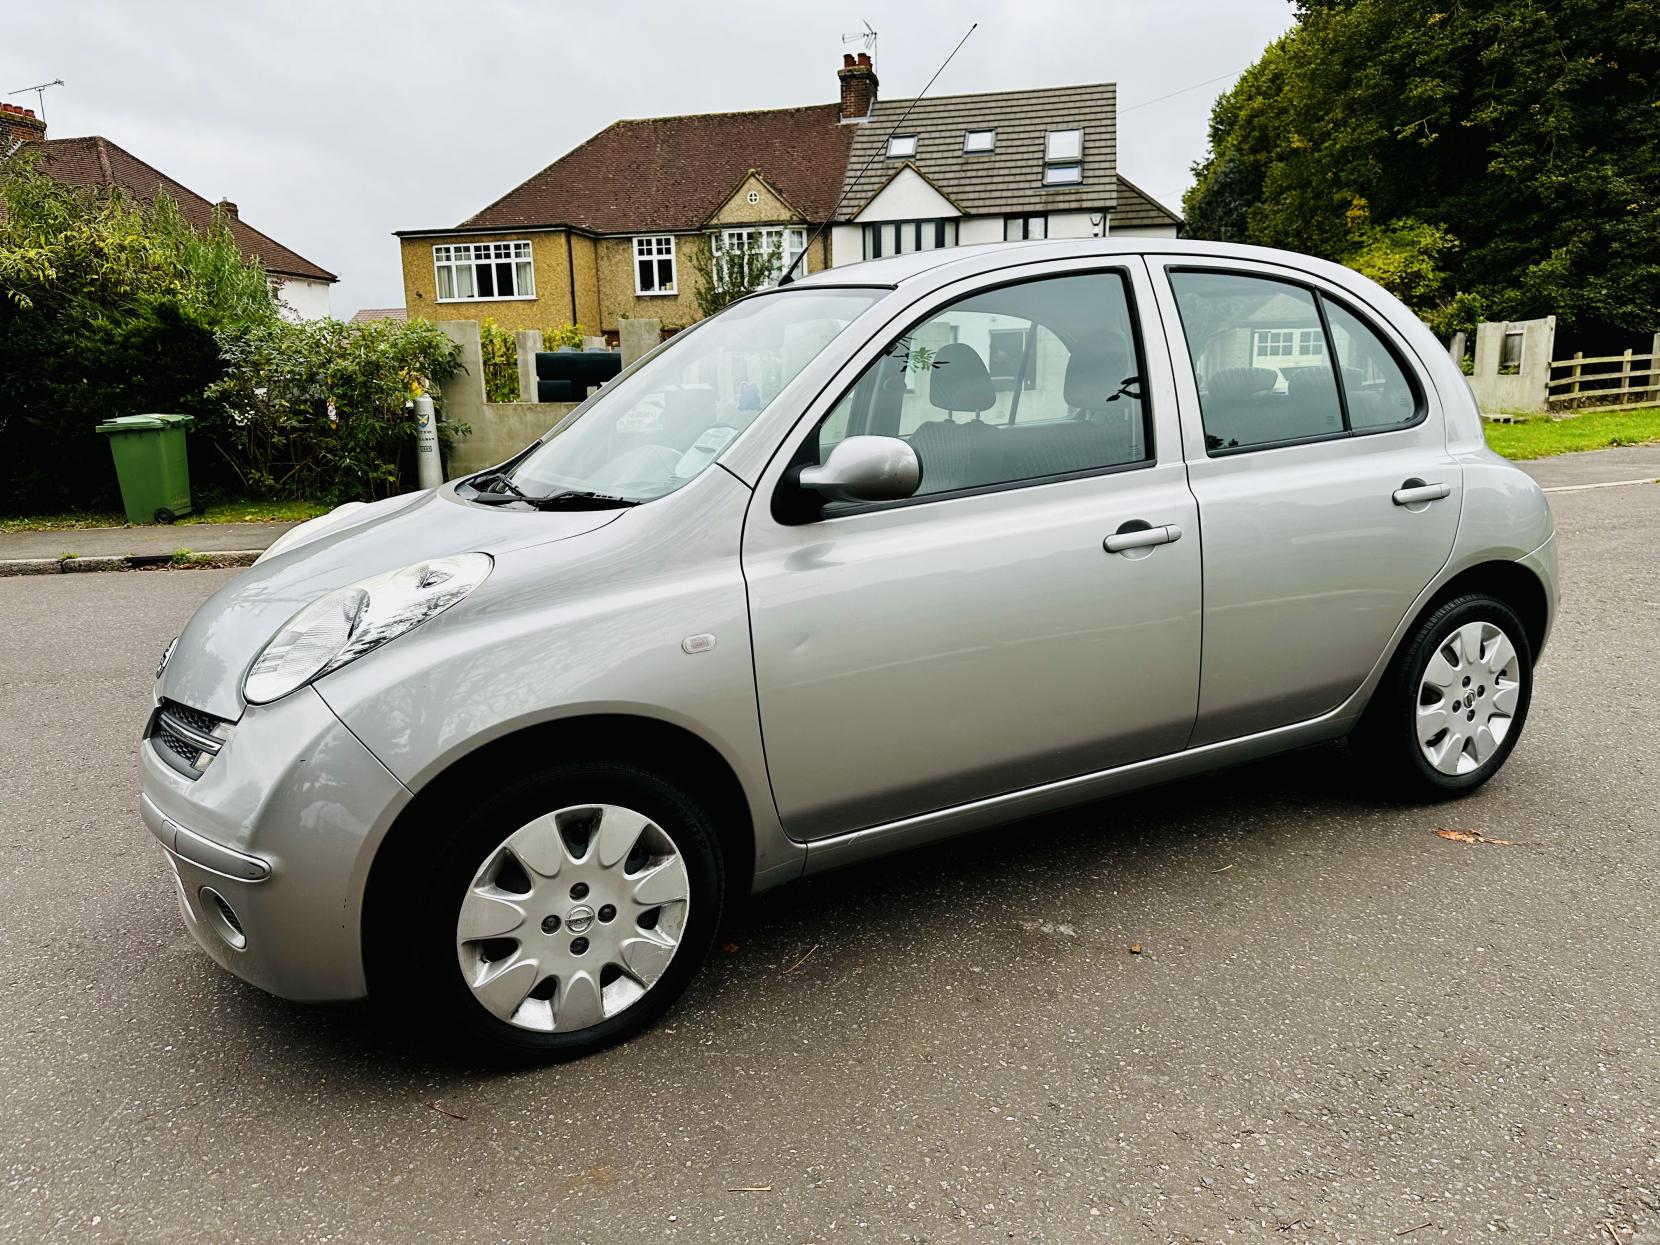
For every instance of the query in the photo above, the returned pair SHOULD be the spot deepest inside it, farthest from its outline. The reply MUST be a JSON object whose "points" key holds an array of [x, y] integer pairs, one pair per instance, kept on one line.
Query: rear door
{"points": [[1327, 498], [980, 638]]}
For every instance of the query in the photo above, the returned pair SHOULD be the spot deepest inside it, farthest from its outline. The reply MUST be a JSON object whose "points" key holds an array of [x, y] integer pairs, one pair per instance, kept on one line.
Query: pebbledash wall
{"points": [[588, 280]]}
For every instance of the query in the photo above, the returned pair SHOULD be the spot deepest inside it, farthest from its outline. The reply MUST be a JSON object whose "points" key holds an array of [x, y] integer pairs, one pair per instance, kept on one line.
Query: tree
{"points": [[726, 269], [1498, 157]]}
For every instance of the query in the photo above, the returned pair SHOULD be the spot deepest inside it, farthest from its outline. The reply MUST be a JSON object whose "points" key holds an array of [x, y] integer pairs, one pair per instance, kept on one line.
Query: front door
{"points": [[1327, 498], [979, 638]]}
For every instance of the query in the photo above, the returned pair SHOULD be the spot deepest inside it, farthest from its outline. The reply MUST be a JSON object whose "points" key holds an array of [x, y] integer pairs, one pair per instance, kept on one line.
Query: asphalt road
{"points": [[1341, 1027]]}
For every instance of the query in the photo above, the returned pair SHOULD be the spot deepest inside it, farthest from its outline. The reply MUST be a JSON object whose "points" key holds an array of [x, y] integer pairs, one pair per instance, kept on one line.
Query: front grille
{"points": [[186, 739]]}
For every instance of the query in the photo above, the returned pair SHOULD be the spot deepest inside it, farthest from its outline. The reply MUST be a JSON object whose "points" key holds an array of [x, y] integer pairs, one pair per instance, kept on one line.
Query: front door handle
{"points": [[1138, 535], [1416, 492]]}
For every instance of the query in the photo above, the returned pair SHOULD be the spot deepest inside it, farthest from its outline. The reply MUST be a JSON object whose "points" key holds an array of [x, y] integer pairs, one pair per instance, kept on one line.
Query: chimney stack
{"points": [[858, 79], [227, 209], [19, 125]]}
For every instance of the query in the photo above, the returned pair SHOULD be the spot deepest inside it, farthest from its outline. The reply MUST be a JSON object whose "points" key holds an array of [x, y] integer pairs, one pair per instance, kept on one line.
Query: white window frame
{"points": [[654, 249], [902, 146], [990, 144], [1063, 157], [793, 240], [452, 259]]}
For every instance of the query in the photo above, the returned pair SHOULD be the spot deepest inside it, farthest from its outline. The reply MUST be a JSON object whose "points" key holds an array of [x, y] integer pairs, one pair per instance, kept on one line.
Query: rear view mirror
{"points": [[866, 469]]}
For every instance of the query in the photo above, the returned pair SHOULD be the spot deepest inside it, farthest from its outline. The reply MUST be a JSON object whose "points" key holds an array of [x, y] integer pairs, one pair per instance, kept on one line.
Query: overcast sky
{"points": [[333, 122]]}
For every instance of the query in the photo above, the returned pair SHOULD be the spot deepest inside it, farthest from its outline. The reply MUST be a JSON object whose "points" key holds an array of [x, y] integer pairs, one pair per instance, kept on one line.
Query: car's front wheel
{"points": [[564, 913], [1453, 703]]}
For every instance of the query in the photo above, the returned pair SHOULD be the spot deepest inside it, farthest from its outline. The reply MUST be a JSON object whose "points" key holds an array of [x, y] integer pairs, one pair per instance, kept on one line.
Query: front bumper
{"points": [[281, 828]]}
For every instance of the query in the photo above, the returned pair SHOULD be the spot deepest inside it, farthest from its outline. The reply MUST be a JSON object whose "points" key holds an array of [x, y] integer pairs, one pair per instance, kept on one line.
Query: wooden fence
{"points": [[1617, 382]]}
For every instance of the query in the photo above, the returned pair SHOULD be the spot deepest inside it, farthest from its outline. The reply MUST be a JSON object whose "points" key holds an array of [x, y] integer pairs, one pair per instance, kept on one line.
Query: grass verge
{"points": [[216, 512], [1543, 438]]}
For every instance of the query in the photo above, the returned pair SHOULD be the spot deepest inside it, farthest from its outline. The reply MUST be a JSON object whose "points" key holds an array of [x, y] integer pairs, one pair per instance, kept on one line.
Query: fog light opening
{"points": [[222, 918]]}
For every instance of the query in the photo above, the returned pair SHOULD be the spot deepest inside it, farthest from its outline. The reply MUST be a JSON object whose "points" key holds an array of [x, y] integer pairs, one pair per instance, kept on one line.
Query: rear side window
{"points": [[1277, 363], [1377, 391], [1020, 383]]}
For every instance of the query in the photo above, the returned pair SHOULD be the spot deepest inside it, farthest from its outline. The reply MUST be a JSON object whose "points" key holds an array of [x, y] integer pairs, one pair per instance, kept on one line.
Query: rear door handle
{"points": [[1415, 492], [1136, 535]]}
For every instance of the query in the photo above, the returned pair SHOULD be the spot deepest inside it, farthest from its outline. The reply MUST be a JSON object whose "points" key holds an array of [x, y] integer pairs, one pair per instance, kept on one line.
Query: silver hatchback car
{"points": [[896, 552]]}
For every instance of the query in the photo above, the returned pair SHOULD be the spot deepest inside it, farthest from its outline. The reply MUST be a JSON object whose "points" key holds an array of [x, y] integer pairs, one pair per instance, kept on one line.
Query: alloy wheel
{"points": [[573, 918], [1468, 697]]}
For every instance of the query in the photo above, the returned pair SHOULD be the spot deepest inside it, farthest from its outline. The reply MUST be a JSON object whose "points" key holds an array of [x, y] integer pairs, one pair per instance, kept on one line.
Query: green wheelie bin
{"points": [[151, 464]]}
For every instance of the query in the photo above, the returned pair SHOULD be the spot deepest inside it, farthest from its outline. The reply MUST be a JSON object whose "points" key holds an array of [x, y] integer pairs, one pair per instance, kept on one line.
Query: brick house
{"points": [[301, 287], [606, 231]]}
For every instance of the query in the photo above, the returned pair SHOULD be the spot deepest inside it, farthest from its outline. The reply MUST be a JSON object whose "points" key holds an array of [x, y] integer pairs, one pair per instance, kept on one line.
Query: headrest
{"points": [[1095, 372], [1241, 382], [959, 381]]}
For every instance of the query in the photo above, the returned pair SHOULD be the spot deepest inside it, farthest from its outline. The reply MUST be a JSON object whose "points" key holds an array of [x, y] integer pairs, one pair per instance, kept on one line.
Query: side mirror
{"points": [[866, 469]]}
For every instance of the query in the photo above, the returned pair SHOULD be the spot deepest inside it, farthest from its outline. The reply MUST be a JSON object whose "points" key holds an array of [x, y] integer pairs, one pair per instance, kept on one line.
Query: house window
{"points": [[790, 244], [1288, 344], [979, 140], [1025, 228], [1063, 158], [902, 146], [483, 270], [901, 237], [654, 265]]}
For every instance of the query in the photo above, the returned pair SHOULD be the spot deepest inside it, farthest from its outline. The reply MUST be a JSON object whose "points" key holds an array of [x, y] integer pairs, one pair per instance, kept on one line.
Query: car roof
{"points": [[897, 269]]}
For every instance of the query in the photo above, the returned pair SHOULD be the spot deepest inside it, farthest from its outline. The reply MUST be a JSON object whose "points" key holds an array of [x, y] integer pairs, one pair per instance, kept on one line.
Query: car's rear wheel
{"points": [[1452, 705], [565, 913]]}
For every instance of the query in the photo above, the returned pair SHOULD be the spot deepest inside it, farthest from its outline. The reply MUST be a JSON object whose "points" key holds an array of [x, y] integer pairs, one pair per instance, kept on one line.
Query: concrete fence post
{"points": [[526, 342], [637, 337], [1457, 347], [464, 392]]}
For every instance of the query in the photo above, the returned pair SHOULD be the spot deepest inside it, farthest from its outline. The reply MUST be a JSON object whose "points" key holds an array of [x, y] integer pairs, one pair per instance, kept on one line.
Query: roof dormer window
{"points": [[977, 141], [1063, 158], [902, 147]]}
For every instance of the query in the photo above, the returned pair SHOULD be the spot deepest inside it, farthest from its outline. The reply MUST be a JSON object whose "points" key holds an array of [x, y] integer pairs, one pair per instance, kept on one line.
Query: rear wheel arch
{"points": [[1511, 582], [672, 752]]}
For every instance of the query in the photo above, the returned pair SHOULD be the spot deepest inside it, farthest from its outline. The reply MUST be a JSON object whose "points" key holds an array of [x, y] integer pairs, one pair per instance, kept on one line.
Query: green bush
{"points": [[501, 362], [318, 409], [565, 335], [111, 306]]}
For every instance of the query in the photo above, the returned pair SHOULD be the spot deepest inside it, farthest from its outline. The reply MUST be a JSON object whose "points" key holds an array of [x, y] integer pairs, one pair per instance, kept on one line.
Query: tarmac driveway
{"points": [[1340, 1027]]}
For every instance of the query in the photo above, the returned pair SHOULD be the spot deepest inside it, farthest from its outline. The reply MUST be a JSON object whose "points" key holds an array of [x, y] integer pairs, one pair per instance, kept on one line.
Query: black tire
{"points": [[1386, 742], [164, 515], [413, 967]]}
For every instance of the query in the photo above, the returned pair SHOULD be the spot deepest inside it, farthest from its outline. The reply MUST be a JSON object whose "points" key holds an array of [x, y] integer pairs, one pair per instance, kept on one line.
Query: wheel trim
{"points": [[1467, 698], [573, 918]]}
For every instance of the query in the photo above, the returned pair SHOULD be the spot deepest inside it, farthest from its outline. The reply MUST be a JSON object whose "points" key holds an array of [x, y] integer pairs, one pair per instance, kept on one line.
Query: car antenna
{"points": [[789, 273]]}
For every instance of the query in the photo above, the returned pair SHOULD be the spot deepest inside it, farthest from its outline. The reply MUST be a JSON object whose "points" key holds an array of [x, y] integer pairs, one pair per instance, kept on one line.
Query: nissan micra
{"points": [[892, 553]]}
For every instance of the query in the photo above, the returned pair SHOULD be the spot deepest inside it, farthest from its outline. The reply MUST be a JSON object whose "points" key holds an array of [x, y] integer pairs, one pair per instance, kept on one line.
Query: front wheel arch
{"points": [[673, 753]]}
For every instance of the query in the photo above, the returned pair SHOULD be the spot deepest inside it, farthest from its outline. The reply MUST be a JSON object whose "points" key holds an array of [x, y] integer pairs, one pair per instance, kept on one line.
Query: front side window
{"points": [[1035, 380], [901, 237], [466, 270], [654, 265], [1264, 363], [648, 433]]}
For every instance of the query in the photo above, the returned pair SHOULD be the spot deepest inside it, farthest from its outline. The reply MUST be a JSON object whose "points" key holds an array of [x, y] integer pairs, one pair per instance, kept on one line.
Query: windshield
{"points": [[646, 435]]}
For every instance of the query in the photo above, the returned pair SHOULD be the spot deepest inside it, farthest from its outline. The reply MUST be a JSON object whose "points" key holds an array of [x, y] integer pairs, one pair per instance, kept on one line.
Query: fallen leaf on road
{"points": [[445, 1111], [1223, 869], [1472, 836], [730, 947], [1135, 948], [750, 1188], [803, 959]]}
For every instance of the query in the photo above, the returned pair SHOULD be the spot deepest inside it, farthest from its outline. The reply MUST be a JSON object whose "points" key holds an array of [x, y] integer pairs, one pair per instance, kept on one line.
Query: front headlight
{"points": [[349, 622]]}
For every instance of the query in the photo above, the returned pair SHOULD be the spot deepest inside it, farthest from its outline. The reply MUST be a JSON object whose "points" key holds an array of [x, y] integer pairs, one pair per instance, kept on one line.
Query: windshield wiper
{"points": [[579, 499], [513, 493]]}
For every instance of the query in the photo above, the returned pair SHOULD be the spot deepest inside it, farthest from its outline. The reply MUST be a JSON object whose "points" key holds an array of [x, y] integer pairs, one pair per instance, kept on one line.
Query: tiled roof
{"points": [[100, 163], [675, 172], [1137, 209], [1009, 178], [378, 313]]}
